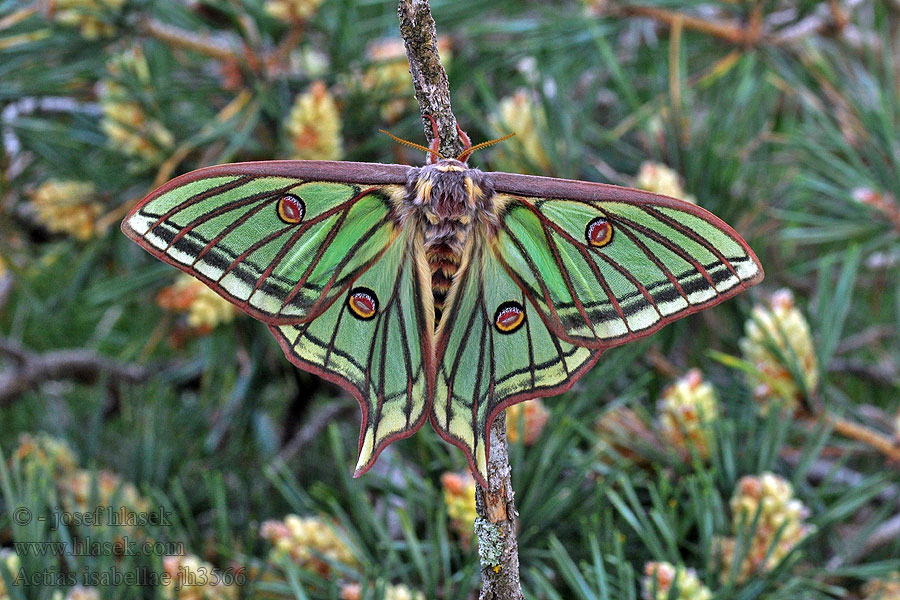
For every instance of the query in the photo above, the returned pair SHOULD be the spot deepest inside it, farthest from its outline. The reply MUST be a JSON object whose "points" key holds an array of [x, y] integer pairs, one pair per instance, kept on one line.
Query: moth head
{"points": [[463, 157]]}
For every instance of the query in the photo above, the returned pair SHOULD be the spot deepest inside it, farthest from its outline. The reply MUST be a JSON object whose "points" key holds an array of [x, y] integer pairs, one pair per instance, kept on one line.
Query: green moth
{"points": [[441, 292]]}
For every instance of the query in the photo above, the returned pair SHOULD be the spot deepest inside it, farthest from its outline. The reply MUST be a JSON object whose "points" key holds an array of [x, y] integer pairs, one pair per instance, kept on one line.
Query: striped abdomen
{"points": [[444, 263]]}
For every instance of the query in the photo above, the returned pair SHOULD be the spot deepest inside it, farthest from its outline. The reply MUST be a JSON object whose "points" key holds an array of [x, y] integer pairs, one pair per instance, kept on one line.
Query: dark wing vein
{"points": [[554, 250], [655, 260], [315, 261], [688, 232], [675, 248], [220, 189]]}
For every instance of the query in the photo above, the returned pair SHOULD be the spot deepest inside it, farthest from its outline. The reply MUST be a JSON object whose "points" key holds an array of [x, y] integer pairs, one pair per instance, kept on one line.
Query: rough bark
{"points": [[496, 524], [81, 365], [429, 78], [495, 527]]}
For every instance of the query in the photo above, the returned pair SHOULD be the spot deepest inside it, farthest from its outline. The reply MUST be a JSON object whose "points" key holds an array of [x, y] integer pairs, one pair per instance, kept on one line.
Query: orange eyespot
{"points": [[509, 317], [598, 232], [363, 303], [291, 209]]}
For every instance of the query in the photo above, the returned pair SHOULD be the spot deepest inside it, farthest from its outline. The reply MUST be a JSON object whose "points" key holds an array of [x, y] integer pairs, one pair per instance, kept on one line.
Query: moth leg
{"points": [[467, 143], [435, 146], [436, 142]]}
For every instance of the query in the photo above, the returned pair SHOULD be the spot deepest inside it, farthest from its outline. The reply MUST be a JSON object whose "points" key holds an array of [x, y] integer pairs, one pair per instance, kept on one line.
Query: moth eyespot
{"points": [[598, 232], [509, 317], [291, 209], [363, 303]]}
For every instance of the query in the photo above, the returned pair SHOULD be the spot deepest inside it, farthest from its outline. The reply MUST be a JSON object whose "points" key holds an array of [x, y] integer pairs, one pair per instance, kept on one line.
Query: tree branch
{"points": [[429, 78], [823, 470], [313, 428], [861, 433], [79, 365], [496, 523], [885, 372], [495, 526], [756, 30], [220, 48], [731, 31], [886, 533], [6, 286]]}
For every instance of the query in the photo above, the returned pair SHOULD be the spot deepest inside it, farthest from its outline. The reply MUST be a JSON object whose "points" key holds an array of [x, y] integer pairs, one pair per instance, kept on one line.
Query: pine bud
{"points": [[205, 309], [686, 411], [596, 8], [309, 542], [80, 592], [68, 207], [190, 578], [523, 115], [314, 125], [660, 179], [77, 490], [43, 451], [883, 589], [353, 591], [897, 428], [388, 78], [623, 431], [780, 515], [94, 18], [9, 560], [778, 344], [663, 576], [532, 415], [459, 496], [884, 203], [292, 11]]}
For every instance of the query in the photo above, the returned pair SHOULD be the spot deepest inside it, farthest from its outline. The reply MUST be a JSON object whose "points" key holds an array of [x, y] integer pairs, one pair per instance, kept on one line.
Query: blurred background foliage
{"points": [[750, 451]]}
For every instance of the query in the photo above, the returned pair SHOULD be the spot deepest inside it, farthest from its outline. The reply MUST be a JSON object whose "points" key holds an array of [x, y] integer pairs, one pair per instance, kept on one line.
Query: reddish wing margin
{"points": [[224, 225]]}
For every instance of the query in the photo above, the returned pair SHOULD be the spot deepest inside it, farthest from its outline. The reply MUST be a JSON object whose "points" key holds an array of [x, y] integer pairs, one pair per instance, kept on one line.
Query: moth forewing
{"points": [[605, 265]]}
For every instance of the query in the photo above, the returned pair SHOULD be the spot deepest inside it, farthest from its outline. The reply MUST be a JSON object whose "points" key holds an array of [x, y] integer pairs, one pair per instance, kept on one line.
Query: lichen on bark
{"points": [[432, 88]]}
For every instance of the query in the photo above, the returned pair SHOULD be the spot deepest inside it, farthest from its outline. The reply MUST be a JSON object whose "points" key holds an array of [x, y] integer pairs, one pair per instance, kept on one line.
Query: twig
{"points": [[757, 30], [219, 48], [885, 372], [30, 105], [495, 526], [428, 75], [16, 17], [234, 53], [863, 434], [313, 427], [865, 338], [80, 365], [496, 523], [886, 533], [831, 17], [822, 469], [838, 15], [6, 286], [876, 415], [729, 31], [661, 364]]}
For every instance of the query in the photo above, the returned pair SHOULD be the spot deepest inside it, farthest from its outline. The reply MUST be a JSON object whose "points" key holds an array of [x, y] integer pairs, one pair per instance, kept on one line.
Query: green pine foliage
{"points": [[781, 482]]}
